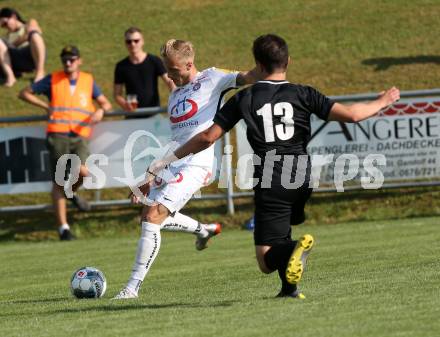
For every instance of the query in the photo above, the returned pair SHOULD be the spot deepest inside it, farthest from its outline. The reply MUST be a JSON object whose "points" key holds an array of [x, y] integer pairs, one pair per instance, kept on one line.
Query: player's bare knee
{"points": [[262, 264], [154, 214], [151, 217], [260, 252], [263, 267], [149, 213]]}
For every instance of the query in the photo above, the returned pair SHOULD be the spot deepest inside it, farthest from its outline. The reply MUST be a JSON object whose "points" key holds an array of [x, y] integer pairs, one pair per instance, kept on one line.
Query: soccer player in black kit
{"points": [[277, 114]]}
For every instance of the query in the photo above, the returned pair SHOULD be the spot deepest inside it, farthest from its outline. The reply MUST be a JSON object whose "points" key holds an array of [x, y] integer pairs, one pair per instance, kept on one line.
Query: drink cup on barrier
{"points": [[132, 101]]}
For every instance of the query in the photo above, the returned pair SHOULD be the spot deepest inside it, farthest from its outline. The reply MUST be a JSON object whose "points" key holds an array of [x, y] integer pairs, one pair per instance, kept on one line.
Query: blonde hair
{"points": [[178, 48]]}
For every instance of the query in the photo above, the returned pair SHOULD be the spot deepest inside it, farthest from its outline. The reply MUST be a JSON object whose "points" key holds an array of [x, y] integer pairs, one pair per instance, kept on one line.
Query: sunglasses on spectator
{"points": [[130, 41], [66, 60]]}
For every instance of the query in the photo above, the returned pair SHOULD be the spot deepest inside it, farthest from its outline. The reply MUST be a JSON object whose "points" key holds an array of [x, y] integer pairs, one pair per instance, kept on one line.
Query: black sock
{"points": [[286, 287], [276, 258], [278, 255]]}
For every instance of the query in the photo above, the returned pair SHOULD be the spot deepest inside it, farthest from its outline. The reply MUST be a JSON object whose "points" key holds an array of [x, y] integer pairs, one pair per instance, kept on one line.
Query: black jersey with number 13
{"points": [[277, 115]]}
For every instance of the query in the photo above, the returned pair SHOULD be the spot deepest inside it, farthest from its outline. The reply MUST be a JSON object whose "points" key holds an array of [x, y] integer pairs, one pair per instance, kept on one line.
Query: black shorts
{"points": [[21, 60], [276, 209]]}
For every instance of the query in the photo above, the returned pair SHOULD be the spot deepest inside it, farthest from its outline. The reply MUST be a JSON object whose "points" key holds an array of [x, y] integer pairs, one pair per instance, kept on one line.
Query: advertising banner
{"points": [[406, 135]]}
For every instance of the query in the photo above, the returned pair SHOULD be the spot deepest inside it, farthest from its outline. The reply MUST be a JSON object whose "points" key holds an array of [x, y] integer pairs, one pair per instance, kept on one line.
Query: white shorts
{"points": [[177, 192]]}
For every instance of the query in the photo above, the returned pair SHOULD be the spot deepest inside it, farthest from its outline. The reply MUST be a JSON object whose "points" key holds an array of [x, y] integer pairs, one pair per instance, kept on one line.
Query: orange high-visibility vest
{"points": [[71, 112]]}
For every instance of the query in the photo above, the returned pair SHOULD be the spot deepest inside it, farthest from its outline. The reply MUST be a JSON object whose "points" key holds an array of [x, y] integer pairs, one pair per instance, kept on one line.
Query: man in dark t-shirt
{"points": [[138, 74], [277, 114]]}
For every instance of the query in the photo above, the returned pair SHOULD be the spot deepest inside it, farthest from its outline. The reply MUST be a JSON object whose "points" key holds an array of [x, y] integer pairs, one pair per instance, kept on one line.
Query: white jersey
{"points": [[192, 108]]}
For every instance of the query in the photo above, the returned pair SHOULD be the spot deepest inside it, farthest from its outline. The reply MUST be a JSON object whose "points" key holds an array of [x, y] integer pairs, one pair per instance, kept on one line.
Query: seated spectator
{"points": [[22, 50], [138, 74]]}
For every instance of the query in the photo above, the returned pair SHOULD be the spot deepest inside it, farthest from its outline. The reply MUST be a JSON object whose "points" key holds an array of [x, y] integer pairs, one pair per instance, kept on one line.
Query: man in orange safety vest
{"points": [[71, 116]]}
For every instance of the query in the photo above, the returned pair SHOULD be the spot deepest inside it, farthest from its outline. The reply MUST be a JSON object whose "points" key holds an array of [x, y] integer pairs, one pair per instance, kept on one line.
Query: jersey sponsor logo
{"points": [[184, 109], [189, 124]]}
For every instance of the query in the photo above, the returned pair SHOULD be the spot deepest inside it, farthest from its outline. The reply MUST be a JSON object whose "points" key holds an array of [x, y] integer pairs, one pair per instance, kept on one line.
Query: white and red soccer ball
{"points": [[88, 282]]}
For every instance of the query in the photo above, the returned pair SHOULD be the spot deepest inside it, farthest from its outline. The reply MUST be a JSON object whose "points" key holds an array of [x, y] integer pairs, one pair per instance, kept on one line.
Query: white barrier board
{"points": [[24, 158]]}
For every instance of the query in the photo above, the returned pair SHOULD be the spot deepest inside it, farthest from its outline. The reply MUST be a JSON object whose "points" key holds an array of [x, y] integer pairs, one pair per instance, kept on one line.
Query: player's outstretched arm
{"points": [[359, 111], [196, 144], [200, 142]]}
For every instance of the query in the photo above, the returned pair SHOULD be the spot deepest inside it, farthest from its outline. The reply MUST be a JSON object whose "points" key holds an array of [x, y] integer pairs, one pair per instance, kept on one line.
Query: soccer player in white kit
{"points": [[191, 107]]}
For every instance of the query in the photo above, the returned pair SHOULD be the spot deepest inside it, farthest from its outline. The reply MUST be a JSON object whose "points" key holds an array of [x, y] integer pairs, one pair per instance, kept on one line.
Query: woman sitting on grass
{"points": [[22, 49]]}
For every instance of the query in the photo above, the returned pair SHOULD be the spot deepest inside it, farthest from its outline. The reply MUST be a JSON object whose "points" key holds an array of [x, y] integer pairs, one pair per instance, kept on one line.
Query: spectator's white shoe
{"points": [[213, 229], [125, 294]]}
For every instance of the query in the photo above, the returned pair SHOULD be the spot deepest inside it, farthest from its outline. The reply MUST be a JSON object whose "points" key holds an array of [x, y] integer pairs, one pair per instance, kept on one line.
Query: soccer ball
{"points": [[88, 282]]}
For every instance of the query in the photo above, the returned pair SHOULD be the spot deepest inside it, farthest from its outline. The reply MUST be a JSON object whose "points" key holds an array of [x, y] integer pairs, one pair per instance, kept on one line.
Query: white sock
{"points": [[183, 223], [63, 227], [147, 250]]}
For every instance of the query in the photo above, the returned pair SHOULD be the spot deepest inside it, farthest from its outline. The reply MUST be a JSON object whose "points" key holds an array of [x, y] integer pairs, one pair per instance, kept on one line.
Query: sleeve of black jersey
{"points": [[320, 104], [229, 114]]}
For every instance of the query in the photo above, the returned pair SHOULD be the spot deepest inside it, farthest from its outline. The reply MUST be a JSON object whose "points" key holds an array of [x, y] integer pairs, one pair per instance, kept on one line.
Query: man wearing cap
{"points": [[71, 116]]}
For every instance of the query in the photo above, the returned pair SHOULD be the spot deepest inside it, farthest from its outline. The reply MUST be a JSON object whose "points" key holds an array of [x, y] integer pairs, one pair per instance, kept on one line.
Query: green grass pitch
{"points": [[377, 278], [363, 279]]}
